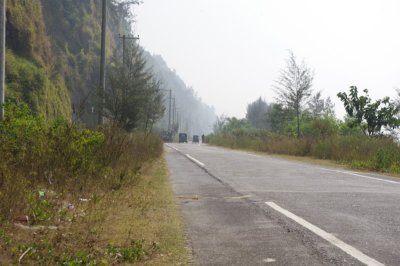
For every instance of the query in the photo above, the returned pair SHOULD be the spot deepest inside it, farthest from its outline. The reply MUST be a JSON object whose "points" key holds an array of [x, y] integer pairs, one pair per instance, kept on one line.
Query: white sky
{"points": [[231, 51]]}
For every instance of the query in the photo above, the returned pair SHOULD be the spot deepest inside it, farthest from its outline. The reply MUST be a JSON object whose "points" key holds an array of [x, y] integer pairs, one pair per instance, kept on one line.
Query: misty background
{"points": [[231, 52]]}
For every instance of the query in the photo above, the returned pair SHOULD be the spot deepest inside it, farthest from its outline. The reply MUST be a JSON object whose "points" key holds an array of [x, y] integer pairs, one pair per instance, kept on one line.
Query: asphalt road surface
{"points": [[247, 209]]}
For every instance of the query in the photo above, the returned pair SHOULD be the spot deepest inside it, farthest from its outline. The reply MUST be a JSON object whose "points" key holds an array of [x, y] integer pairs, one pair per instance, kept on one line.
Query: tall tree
{"points": [[220, 123], [293, 87], [318, 106], [133, 99], [329, 107], [375, 115], [277, 117], [256, 113]]}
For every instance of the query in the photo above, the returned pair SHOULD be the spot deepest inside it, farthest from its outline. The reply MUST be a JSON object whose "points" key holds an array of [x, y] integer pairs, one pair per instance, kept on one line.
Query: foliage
{"points": [[60, 41], [56, 43], [80, 259], [26, 32], [278, 117], [30, 83], [317, 106], [134, 99], [256, 113], [293, 87], [134, 252], [219, 123], [30, 76], [64, 162], [361, 109], [39, 209], [62, 156], [324, 138]]}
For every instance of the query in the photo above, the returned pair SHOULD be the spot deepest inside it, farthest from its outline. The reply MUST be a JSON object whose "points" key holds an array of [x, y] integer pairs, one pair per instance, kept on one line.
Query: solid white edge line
{"points": [[364, 176], [327, 236], [195, 161], [172, 147]]}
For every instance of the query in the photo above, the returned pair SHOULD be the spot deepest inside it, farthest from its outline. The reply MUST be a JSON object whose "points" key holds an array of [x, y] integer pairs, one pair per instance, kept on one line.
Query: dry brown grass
{"points": [[356, 151], [143, 209], [148, 211]]}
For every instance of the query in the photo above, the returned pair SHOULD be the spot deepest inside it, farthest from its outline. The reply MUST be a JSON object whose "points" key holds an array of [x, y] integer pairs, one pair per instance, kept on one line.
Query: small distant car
{"points": [[182, 138], [195, 138]]}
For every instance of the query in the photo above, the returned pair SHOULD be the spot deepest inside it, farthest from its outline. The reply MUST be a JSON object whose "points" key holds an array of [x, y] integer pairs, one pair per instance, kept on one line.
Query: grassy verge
{"points": [[356, 152], [138, 224], [147, 211], [72, 196]]}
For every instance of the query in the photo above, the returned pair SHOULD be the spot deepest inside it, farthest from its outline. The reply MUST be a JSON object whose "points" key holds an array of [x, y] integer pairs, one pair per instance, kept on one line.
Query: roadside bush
{"points": [[323, 141], [63, 157]]}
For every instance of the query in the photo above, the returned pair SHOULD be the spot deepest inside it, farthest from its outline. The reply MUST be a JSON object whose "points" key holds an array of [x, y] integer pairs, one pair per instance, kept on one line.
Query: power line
{"points": [[169, 112], [173, 112]]}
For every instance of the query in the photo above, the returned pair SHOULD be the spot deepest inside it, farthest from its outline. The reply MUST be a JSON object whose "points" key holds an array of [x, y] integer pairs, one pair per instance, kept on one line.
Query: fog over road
{"points": [[247, 209]]}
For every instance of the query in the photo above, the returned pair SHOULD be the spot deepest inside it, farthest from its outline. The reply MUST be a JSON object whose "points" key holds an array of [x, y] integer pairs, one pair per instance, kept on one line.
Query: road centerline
{"points": [[352, 251]]}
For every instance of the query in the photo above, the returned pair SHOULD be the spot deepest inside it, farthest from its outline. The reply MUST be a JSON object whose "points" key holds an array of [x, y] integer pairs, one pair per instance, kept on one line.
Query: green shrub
{"points": [[79, 260], [63, 157], [322, 141], [39, 209], [134, 252]]}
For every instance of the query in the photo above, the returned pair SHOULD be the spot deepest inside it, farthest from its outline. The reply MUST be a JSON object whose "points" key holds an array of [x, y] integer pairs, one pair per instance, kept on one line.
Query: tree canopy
{"points": [[294, 86], [371, 116], [256, 113]]}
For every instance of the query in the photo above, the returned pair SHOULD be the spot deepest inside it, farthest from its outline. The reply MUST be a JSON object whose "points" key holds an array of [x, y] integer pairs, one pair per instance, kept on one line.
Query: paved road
{"points": [[246, 209]]}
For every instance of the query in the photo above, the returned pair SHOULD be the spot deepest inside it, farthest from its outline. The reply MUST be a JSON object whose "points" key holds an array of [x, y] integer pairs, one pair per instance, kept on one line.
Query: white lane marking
{"points": [[195, 161], [269, 260], [327, 236], [172, 147], [364, 176], [239, 197]]}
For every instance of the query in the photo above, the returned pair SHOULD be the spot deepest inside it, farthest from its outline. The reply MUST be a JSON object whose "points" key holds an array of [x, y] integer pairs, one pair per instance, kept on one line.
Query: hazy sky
{"points": [[231, 51]]}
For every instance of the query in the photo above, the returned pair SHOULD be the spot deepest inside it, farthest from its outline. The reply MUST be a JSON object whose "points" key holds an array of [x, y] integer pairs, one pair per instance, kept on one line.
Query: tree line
{"points": [[297, 105]]}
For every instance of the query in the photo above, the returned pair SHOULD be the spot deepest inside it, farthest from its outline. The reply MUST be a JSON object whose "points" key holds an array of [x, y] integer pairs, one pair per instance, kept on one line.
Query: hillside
{"points": [[53, 54], [195, 117]]}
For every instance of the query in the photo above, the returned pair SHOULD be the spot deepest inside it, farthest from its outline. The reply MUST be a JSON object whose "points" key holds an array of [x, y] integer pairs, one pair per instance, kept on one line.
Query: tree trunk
{"points": [[298, 122]]}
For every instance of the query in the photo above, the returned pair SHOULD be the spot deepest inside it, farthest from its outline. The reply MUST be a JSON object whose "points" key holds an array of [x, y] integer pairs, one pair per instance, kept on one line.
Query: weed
{"points": [[39, 209], [135, 251], [80, 259], [68, 163]]}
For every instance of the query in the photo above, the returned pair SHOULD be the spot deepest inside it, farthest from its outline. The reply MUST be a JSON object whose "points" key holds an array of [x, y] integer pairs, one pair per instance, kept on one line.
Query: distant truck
{"points": [[196, 139], [182, 138]]}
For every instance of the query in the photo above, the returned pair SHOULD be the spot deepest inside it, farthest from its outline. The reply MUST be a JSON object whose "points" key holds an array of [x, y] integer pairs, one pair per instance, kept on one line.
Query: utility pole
{"points": [[169, 111], [102, 86], [2, 55], [173, 112], [124, 38]]}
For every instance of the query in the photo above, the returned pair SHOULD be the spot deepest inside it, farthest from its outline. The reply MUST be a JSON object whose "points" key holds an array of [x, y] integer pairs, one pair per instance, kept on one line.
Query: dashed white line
{"points": [[202, 165], [327, 236], [363, 176]]}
